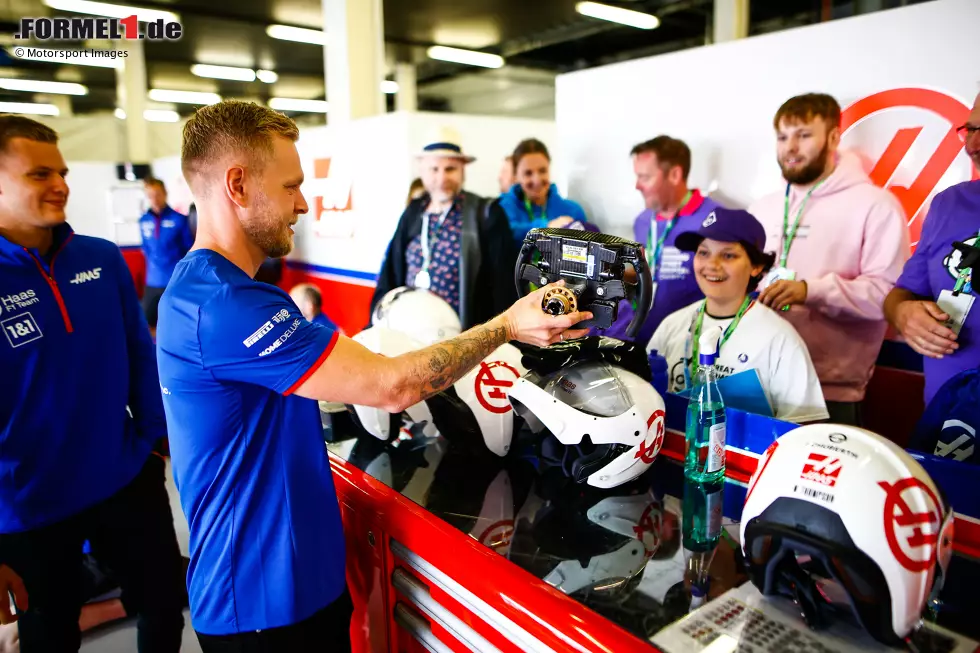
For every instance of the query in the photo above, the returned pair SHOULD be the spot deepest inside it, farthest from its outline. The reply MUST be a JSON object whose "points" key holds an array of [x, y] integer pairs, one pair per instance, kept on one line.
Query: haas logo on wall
{"points": [[920, 154], [331, 193]]}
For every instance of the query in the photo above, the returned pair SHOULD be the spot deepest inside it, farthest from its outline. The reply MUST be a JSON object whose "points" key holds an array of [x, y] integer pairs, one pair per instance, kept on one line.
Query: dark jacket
{"points": [[487, 258]]}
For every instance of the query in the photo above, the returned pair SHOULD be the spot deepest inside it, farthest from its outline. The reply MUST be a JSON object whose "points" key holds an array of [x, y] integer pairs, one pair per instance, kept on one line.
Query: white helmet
{"points": [[477, 408], [595, 403], [376, 421], [419, 313], [863, 512]]}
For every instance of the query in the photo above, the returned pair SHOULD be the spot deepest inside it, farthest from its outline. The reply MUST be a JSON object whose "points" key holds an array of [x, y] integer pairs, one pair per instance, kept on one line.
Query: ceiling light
{"points": [[299, 34], [160, 115], [293, 104], [389, 87], [617, 15], [112, 11], [119, 113], [223, 72], [267, 76], [183, 97], [468, 57], [76, 57], [37, 86], [29, 108]]}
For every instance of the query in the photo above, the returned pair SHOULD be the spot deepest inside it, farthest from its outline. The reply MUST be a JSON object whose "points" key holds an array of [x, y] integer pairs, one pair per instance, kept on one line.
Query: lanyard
{"points": [[790, 236], [964, 279], [654, 260], [696, 335], [530, 209], [426, 252]]}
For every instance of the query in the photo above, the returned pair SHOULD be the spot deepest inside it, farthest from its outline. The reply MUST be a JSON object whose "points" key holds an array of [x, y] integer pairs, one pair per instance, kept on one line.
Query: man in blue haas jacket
{"points": [[80, 410], [167, 237]]}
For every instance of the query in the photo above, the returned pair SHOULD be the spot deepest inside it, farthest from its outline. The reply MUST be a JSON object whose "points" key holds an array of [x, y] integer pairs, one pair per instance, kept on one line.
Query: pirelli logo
{"points": [[255, 337]]}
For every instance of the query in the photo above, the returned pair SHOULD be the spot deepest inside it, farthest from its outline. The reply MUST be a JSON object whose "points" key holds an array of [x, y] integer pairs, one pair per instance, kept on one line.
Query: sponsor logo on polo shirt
{"points": [[953, 259], [18, 300], [88, 275], [258, 335], [278, 342]]}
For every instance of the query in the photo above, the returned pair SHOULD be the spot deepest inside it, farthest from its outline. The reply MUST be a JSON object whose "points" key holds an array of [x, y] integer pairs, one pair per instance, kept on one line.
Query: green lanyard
{"points": [[530, 209], [790, 236], [696, 335], [654, 260], [965, 277]]}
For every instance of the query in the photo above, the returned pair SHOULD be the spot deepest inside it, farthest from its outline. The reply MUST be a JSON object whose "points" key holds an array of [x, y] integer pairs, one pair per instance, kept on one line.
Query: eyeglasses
{"points": [[966, 131]]}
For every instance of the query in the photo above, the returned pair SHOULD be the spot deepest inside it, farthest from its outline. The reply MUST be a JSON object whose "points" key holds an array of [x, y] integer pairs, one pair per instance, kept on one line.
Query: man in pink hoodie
{"points": [[840, 243]]}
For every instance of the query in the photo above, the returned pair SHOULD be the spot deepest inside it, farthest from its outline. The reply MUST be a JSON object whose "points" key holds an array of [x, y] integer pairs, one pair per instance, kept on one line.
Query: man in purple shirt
{"points": [[661, 166], [932, 304]]}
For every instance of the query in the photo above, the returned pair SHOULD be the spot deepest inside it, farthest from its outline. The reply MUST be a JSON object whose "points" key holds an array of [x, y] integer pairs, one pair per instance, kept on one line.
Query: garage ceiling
{"points": [[539, 38]]}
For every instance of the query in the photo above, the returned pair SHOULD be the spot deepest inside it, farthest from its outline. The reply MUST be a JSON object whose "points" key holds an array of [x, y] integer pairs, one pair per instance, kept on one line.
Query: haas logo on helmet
{"points": [[492, 383], [912, 536], [821, 469], [647, 452]]}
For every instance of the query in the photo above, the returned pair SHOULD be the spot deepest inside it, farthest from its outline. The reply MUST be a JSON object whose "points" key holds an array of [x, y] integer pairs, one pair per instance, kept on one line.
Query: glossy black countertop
{"points": [[618, 551]]}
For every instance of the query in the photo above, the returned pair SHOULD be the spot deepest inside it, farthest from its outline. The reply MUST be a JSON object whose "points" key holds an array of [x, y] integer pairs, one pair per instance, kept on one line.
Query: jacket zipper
{"points": [[54, 284]]}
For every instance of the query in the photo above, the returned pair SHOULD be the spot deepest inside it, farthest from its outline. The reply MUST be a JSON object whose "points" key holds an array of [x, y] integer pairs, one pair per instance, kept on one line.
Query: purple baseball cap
{"points": [[727, 226]]}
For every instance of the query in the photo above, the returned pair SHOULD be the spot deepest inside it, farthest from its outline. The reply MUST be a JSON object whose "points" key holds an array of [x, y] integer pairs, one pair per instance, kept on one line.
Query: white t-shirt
{"points": [[762, 340]]}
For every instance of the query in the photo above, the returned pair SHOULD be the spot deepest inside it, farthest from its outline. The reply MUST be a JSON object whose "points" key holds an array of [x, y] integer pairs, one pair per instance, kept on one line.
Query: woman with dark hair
{"points": [[729, 263], [533, 201]]}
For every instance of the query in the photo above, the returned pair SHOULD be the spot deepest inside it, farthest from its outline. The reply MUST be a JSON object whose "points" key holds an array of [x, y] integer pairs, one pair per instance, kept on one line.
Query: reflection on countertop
{"points": [[617, 551]]}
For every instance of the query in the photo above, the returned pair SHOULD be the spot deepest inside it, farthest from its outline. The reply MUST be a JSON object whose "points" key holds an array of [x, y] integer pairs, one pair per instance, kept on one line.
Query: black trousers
{"points": [[132, 535], [327, 631]]}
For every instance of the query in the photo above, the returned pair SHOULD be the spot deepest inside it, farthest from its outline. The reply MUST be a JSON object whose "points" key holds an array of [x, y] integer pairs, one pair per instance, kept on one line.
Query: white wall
{"points": [[103, 138], [88, 198], [721, 99], [374, 160]]}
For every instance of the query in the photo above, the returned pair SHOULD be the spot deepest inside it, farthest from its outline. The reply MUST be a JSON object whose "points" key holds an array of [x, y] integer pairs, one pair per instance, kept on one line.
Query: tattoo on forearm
{"points": [[437, 367]]}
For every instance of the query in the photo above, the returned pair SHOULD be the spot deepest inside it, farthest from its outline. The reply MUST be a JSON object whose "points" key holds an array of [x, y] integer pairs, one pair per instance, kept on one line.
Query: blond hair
{"points": [[230, 127]]}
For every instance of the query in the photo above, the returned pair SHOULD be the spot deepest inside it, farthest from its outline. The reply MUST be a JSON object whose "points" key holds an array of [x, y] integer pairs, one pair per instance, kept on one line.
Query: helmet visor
{"points": [[591, 387]]}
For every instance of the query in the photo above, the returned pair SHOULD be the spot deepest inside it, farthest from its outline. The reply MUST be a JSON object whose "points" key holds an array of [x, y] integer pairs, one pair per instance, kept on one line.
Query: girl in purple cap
{"points": [[729, 263]]}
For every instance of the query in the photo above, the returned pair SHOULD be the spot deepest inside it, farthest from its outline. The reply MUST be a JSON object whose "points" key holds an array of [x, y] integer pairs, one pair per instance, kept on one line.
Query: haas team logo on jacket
{"points": [[88, 275]]}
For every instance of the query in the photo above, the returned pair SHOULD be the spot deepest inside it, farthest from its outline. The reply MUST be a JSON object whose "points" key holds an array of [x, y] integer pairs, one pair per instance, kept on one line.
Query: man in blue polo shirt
{"points": [[167, 237], [80, 410], [240, 370]]}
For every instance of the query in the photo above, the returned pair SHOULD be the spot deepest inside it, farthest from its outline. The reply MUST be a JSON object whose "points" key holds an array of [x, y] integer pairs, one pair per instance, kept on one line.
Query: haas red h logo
{"points": [[647, 452], [491, 382], [912, 536], [821, 469], [914, 196]]}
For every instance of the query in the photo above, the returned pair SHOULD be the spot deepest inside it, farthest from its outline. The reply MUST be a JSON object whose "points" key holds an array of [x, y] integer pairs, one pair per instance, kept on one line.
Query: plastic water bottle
{"points": [[658, 367], [705, 428]]}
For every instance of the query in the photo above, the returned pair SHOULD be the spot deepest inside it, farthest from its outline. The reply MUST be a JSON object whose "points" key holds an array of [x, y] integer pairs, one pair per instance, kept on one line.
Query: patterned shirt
{"points": [[445, 244]]}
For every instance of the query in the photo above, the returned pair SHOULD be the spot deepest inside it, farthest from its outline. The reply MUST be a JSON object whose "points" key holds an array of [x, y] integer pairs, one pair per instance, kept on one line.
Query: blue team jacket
{"points": [[80, 403], [166, 239]]}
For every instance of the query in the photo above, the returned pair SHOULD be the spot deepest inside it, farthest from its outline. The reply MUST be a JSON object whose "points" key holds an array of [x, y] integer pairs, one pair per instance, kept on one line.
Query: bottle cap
{"points": [[708, 345]]}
